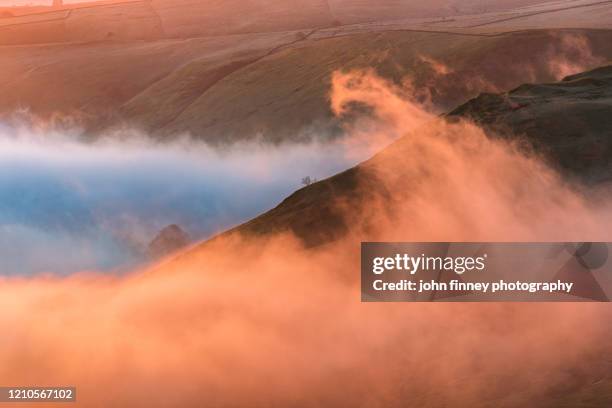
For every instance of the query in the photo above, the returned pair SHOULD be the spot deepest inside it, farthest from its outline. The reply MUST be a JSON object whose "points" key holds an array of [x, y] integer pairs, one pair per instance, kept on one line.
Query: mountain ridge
{"points": [[312, 213]]}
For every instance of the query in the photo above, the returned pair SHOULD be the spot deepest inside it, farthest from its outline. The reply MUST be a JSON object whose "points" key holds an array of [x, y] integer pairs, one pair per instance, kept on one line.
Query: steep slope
{"points": [[570, 120]]}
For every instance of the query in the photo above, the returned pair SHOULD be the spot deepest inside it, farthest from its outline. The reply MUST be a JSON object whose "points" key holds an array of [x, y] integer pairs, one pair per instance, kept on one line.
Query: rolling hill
{"points": [[158, 19], [273, 86], [170, 68]]}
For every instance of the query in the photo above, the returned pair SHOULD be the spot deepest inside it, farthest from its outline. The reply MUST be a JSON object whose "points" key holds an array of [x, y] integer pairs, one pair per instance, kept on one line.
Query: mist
{"points": [[101, 203], [265, 321]]}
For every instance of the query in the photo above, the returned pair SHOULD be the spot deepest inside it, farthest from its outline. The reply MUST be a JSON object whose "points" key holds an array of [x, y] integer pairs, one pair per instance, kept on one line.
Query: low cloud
{"points": [[572, 53], [101, 203], [263, 321]]}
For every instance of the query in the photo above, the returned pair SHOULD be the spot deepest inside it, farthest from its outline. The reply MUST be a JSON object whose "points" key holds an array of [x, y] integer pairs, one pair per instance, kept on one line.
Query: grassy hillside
{"points": [[284, 95], [130, 20], [356, 11], [275, 85], [188, 18], [97, 79]]}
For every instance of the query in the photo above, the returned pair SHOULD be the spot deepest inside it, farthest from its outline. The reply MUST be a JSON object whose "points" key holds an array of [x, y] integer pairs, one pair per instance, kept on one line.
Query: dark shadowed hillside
{"points": [[569, 120]]}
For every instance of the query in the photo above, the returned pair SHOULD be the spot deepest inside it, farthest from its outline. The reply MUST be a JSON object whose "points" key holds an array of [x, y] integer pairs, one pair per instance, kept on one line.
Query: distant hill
{"points": [[129, 20], [285, 95], [170, 239], [273, 85]]}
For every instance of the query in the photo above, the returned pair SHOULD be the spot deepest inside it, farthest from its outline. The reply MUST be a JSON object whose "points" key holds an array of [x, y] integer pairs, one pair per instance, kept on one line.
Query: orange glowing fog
{"points": [[265, 322]]}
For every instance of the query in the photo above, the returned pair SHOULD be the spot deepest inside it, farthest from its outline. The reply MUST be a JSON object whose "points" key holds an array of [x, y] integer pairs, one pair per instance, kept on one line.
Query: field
{"points": [[276, 81]]}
